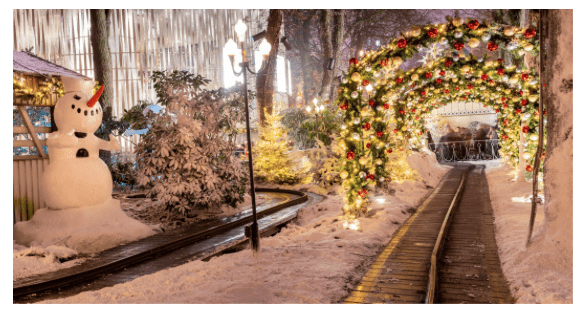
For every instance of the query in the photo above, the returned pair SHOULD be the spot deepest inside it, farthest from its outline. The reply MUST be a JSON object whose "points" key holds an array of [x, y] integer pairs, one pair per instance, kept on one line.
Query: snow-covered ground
{"points": [[315, 259], [537, 274], [33, 260]]}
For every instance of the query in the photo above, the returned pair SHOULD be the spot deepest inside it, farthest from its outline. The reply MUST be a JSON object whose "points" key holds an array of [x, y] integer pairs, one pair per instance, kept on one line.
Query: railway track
{"points": [[127, 262], [445, 253]]}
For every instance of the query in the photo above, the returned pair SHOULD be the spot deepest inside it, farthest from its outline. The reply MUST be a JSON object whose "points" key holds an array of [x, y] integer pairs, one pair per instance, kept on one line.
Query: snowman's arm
{"points": [[60, 139], [111, 145]]}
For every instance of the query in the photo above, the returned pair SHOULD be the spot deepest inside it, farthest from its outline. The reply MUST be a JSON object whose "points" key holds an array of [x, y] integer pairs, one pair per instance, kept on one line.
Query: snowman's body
{"points": [[76, 176]]}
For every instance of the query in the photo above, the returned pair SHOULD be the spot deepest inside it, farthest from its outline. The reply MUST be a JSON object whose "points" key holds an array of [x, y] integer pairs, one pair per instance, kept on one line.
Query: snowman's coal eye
{"points": [[76, 97]]}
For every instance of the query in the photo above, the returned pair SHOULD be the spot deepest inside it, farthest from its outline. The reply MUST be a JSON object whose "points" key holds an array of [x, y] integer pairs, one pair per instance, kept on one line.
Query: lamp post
{"points": [[317, 110], [232, 50]]}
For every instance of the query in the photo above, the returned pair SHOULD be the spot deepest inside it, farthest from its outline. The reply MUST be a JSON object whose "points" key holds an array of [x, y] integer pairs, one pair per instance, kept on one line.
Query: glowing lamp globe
{"points": [[264, 48], [308, 109], [231, 48], [240, 29]]}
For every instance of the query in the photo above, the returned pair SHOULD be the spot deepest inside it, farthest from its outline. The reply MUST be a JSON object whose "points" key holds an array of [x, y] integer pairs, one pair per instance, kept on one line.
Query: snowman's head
{"points": [[78, 109]]}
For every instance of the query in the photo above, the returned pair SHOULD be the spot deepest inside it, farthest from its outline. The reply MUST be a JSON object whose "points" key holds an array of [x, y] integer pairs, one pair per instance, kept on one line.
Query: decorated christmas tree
{"points": [[273, 161]]}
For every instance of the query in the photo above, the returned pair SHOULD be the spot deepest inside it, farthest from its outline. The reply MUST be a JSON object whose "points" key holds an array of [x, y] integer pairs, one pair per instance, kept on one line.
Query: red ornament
{"points": [[442, 73], [389, 179], [371, 177], [521, 93], [344, 106], [402, 112], [484, 76], [500, 60], [420, 133], [518, 111], [422, 94], [524, 76], [366, 126], [398, 80], [505, 122], [470, 86], [365, 82], [491, 82], [401, 43], [503, 99], [362, 193], [492, 46], [529, 33], [497, 111], [438, 81], [422, 99], [371, 102], [473, 24], [386, 106], [432, 33], [379, 134], [353, 61], [505, 105], [416, 117], [384, 62], [457, 88], [414, 110], [524, 102], [545, 112], [446, 91], [428, 75], [448, 62], [368, 145], [458, 45], [529, 168], [525, 129], [543, 154], [395, 131], [350, 155], [390, 150], [500, 71], [464, 98]]}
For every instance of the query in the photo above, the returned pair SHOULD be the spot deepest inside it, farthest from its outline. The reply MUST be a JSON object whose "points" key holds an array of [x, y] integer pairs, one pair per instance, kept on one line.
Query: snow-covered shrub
{"points": [[186, 158], [324, 161]]}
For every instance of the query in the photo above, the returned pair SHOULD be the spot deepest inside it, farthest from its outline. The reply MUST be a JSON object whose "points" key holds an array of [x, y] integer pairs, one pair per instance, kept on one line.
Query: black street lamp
{"points": [[231, 49]]}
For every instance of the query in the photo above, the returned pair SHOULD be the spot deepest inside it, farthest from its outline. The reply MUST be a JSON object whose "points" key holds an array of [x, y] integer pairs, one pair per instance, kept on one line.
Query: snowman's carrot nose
{"points": [[95, 97]]}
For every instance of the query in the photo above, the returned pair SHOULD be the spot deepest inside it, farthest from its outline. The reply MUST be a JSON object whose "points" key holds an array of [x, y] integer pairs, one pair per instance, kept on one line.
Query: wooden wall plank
{"points": [[15, 193]]}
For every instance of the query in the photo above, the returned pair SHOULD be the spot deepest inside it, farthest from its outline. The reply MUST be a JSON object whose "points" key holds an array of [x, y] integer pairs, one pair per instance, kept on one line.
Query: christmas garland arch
{"points": [[383, 107]]}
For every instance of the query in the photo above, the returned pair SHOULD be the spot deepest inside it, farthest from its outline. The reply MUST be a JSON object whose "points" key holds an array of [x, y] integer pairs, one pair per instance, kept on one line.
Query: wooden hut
{"points": [[30, 76]]}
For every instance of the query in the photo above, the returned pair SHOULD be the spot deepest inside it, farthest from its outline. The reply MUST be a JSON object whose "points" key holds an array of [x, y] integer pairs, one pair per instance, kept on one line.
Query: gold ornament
{"points": [[532, 98], [514, 79], [473, 43], [521, 52], [528, 47], [416, 31], [379, 162], [344, 174], [455, 80], [526, 156], [534, 137], [342, 144], [488, 63], [404, 128], [509, 31], [414, 77], [458, 21], [397, 61], [356, 77], [465, 68], [362, 160], [383, 81]]}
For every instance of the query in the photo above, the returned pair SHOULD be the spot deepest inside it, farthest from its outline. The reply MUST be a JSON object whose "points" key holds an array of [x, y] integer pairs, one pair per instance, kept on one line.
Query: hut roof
{"points": [[26, 63]]}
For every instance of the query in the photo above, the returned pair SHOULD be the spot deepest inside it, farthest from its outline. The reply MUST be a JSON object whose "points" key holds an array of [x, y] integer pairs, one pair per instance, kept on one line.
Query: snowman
{"points": [[76, 177]]}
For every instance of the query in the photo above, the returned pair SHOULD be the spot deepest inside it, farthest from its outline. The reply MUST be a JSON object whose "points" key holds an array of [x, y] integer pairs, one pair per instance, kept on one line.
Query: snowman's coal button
{"points": [[73, 107], [82, 153], [79, 110], [85, 113]]}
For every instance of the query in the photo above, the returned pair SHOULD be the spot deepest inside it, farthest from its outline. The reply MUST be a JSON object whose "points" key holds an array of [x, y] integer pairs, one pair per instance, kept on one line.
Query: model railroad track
{"points": [[445, 253], [127, 262]]}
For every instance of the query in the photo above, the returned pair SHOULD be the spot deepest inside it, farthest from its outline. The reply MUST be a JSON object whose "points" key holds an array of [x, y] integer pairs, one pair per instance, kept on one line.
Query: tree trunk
{"points": [[337, 41], [102, 65], [266, 80], [326, 40]]}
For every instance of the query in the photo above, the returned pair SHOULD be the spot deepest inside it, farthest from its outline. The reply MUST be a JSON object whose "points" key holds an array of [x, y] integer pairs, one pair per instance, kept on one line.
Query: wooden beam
{"points": [[32, 133], [27, 143], [38, 129]]}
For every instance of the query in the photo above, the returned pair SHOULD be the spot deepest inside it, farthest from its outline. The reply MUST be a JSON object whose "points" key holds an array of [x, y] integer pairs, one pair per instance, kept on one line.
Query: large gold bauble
{"points": [[355, 170], [528, 47], [362, 160], [342, 144], [397, 61], [414, 77], [356, 77], [465, 68], [488, 63], [507, 91], [344, 174], [473, 43], [404, 128], [515, 99], [496, 107], [383, 81], [534, 137], [415, 31], [521, 52], [509, 31], [455, 80], [458, 21], [379, 162], [532, 98], [514, 79]]}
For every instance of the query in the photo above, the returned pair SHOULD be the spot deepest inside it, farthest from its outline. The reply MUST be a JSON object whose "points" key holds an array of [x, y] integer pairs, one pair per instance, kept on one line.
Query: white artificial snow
{"points": [[543, 272], [315, 259], [29, 261], [86, 230]]}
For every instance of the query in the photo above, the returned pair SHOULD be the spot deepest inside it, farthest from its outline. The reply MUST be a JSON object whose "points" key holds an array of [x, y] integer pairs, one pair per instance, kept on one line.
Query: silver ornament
{"points": [[362, 175], [458, 34], [443, 40], [356, 120], [381, 179], [376, 74], [354, 94], [486, 37], [355, 136], [368, 67], [456, 57], [344, 80]]}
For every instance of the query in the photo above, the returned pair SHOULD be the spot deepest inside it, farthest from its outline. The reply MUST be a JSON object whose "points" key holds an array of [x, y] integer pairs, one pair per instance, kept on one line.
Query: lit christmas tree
{"points": [[273, 161]]}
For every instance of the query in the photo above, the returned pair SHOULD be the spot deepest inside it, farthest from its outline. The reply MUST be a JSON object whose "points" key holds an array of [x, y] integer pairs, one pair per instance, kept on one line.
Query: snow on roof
{"points": [[30, 64]]}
